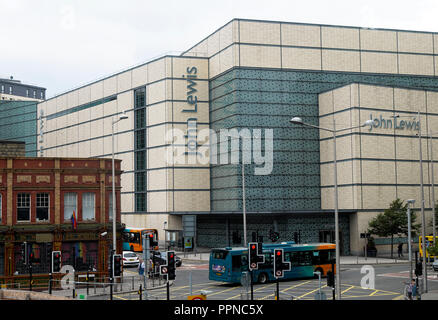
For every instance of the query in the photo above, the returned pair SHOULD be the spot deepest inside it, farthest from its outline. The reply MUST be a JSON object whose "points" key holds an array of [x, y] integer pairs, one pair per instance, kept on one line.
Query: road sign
{"points": [[81, 296], [197, 297]]}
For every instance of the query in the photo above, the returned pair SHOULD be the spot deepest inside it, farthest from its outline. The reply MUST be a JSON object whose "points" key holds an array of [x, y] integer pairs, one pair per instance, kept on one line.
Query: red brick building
{"points": [[37, 199]]}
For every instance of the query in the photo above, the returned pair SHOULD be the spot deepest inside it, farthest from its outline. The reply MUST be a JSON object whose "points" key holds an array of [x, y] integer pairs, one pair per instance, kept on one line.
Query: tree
{"points": [[433, 250], [393, 221]]}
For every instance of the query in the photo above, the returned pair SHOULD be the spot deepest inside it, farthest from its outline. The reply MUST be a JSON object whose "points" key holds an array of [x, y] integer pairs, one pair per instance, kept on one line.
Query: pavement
{"points": [[431, 295]]}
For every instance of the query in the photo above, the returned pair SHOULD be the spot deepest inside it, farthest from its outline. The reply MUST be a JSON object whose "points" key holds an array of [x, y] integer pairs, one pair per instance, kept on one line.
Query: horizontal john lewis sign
{"points": [[380, 122]]}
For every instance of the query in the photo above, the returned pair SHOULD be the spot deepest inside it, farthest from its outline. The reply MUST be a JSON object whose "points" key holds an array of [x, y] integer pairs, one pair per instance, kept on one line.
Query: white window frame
{"points": [[68, 203], [48, 206], [88, 206], [21, 201]]}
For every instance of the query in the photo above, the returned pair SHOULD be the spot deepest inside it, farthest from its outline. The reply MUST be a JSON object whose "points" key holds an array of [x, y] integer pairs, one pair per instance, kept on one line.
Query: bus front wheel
{"points": [[263, 278]]}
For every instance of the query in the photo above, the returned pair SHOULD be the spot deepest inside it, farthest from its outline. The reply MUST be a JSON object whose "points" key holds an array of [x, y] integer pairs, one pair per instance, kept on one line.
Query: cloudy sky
{"points": [[62, 44]]}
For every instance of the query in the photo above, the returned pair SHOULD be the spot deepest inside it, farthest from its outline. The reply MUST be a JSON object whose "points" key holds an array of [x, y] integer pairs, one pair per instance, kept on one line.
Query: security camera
{"points": [[103, 234], [410, 201]]}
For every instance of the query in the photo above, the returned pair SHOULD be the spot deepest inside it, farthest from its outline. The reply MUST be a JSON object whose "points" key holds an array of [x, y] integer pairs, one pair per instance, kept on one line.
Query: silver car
{"points": [[435, 265], [130, 259]]}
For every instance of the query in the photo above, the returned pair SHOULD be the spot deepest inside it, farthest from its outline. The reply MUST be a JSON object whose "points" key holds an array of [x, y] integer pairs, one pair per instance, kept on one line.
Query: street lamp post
{"points": [[433, 189], [122, 117], [244, 203], [410, 201], [297, 120], [423, 219]]}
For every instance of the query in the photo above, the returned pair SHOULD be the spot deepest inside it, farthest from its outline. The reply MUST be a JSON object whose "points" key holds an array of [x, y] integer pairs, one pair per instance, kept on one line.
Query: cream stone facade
{"points": [[378, 163], [79, 123], [259, 74]]}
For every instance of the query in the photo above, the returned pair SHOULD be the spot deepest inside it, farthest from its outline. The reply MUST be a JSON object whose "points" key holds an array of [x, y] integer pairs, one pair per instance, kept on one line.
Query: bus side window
{"points": [[324, 257], [236, 262], [267, 259], [287, 256], [306, 258], [331, 255], [317, 257], [294, 258]]}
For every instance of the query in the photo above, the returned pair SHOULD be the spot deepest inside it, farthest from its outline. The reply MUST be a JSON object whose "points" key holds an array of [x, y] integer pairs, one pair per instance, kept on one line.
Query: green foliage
{"points": [[433, 250], [393, 221]]}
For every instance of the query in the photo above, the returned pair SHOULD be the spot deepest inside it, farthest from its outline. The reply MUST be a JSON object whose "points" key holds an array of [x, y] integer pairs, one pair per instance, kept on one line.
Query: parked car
{"points": [[435, 265], [161, 259], [130, 259]]}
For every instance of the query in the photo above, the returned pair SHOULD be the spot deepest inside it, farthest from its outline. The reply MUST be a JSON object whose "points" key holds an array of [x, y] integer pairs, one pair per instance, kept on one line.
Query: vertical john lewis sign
{"points": [[192, 107]]}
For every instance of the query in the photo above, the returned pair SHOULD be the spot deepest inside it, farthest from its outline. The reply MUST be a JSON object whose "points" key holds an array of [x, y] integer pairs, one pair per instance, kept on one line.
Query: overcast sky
{"points": [[62, 44]]}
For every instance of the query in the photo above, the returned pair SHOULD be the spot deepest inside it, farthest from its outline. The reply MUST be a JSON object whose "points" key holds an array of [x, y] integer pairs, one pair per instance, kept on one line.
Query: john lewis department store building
{"points": [[258, 75]]}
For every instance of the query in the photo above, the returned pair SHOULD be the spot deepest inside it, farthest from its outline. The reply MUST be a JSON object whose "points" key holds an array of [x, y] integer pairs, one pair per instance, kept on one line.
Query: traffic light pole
{"points": [[111, 275], [334, 282], [146, 246], [168, 290], [252, 285], [278, 289], [30, 275]]}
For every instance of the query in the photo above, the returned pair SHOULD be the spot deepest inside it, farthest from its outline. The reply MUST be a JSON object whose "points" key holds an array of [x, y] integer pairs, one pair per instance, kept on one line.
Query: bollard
{"points": [[140, 292]]}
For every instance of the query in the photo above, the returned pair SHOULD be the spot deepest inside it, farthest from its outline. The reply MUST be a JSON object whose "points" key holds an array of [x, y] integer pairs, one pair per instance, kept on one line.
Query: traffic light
{"points": [[117, 265], [171, 265], [153, 244], [279, 264], [330, 279], [273, 235], [164, 270], [56, 261], [24, 255], [418, 269], [31, 257], [255, 255]]}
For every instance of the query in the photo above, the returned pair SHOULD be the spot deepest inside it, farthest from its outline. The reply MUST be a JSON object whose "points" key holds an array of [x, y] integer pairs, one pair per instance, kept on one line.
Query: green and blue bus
{"points": [[227, 264]]}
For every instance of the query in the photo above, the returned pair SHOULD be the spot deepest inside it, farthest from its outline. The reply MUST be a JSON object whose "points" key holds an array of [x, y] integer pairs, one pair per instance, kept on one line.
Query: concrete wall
{"points": [[377, 164]]}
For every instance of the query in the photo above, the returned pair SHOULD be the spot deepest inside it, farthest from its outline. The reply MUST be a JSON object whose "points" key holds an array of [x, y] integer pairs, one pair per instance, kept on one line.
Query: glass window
{"points": [[70, 205], [140, 97], [10, 90], [27, 92], [42, 206], [219, 254], [88, 211], [140, 160], [140, 181], [3, 89], [34, 93], [140, 202], [140, 139], [236, 263], [23, 207], [81, 255], [140, 118]]}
